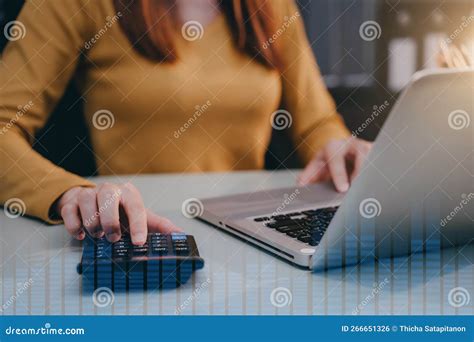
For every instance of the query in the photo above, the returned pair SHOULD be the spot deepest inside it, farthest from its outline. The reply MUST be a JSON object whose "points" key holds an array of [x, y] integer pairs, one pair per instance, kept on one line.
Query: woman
{"points": [[143, 68]]}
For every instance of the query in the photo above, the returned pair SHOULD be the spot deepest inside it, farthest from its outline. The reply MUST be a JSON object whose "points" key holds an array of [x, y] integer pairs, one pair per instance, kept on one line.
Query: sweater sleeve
{"points": [[315, 120], [37, 64]]}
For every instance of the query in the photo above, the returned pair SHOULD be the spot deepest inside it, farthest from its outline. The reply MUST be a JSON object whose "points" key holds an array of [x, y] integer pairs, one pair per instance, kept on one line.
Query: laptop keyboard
{"points": [[306, 226]]}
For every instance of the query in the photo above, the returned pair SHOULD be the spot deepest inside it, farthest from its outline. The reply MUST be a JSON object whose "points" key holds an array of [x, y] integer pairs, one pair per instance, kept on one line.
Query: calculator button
{"points": [[121, 253], [159, 250], [181, 251], [159, 242], [178, 236], [140, 250]]}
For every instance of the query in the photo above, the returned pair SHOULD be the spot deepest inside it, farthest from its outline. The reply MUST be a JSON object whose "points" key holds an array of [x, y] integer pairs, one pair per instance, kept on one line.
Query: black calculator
{"points": [[164, 261]]}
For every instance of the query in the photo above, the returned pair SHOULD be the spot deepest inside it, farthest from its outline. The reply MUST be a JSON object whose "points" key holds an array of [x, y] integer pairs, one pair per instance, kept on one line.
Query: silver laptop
{"points": [[414, 194]]}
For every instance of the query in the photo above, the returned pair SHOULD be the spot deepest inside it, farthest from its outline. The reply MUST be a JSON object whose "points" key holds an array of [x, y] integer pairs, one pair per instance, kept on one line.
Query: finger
{"points": [[358, 162], [461, 62], [90, 214], [108, 200], [72, 221], [447, 54], [161, 224], [337, 168], [468, 55], [360, 152], [314, 171], [134, 208]]}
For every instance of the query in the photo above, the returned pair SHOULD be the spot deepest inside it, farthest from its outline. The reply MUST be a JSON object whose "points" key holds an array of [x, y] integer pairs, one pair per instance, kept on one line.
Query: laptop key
{"points": [[288, 229], [286, 223], [261, 219], [280, 217], [304, 238]]}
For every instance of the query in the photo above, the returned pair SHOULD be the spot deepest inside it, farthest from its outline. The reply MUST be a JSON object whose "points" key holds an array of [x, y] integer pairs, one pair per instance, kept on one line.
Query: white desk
{"points": [[237, 279]]}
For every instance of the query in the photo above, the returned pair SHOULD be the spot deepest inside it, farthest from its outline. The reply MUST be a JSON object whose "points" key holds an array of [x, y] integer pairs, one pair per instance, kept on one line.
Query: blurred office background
{"points": [[367, 51]]}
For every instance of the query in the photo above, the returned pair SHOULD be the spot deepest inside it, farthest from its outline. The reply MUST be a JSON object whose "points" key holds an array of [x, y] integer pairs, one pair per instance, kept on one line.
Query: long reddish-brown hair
{"points": [[149, 26]]}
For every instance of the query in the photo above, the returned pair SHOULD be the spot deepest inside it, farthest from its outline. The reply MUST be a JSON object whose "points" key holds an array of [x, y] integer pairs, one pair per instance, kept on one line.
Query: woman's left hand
{"points": [[339, 161]]}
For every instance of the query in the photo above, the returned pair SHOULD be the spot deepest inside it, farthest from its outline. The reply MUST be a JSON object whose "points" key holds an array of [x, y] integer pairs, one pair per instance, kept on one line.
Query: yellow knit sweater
{"points": [[210, 111]]}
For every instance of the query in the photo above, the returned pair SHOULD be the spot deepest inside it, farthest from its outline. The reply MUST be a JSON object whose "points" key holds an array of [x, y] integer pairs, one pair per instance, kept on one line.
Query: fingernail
{"points": [[113, 237], [141, 239], [301, 181], [344, 187]]}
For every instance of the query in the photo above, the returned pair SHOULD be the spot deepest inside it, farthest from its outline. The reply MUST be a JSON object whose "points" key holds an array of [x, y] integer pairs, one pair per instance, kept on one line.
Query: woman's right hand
{"points": [[107, 208]]}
